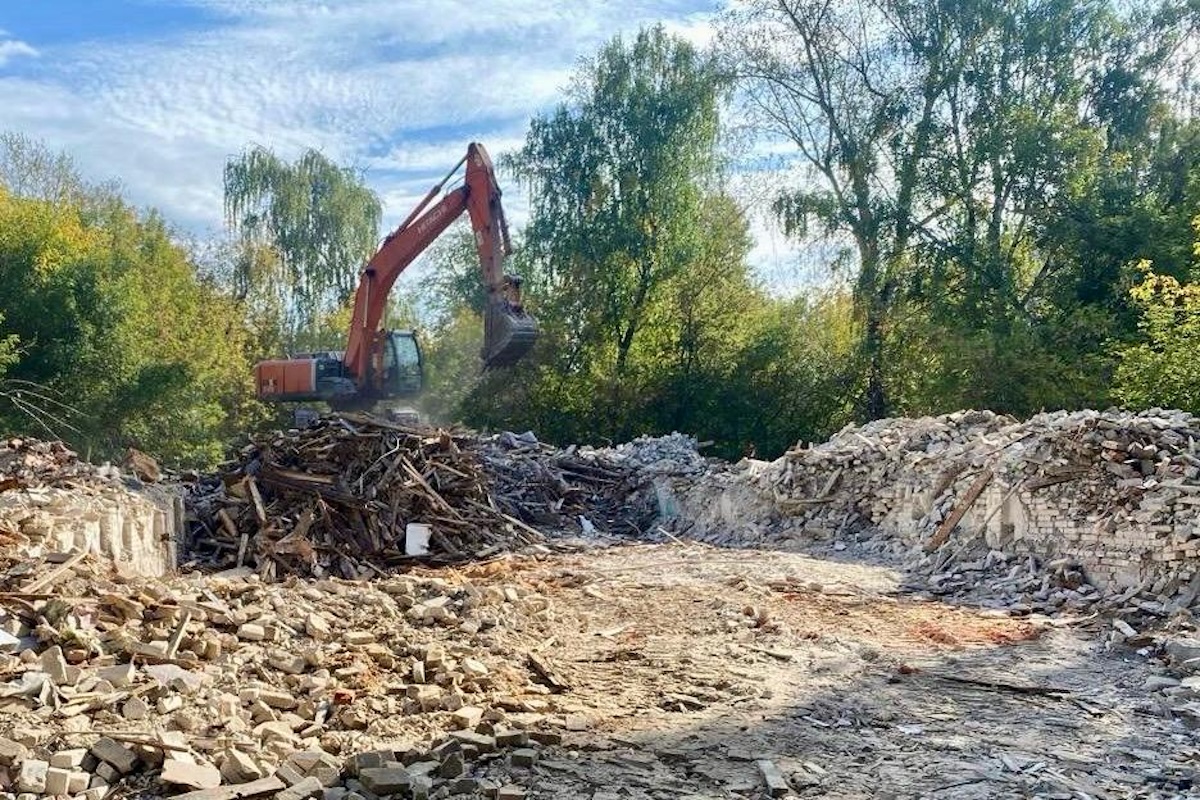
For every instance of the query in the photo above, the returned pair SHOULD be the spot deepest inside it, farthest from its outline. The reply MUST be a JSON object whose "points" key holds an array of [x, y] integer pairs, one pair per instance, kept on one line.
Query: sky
{"points": [[159, 94]]}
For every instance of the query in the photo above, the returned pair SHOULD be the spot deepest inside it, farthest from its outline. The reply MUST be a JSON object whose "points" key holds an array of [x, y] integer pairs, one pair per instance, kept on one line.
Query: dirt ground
{"points": [[689, 664]]}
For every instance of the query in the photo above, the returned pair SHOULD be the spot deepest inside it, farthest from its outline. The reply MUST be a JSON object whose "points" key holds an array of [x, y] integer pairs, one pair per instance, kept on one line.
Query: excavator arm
{"points": [[480, 197], [362, 375]]}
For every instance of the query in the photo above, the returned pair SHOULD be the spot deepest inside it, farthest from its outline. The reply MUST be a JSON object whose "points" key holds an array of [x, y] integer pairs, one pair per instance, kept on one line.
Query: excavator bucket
{"points": [[508, 334]]}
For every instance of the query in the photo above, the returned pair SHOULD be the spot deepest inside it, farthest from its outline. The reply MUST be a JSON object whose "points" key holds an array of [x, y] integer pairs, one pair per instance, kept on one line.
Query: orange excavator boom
{"points": [[371, 366]]}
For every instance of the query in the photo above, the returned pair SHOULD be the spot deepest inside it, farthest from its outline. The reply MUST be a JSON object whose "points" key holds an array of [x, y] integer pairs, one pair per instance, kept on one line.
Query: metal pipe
{"points": [[432, 194]]}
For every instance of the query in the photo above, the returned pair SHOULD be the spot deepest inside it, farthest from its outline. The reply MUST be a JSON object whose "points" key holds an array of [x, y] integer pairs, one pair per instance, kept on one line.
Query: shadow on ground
{"points": [[692, 663]]}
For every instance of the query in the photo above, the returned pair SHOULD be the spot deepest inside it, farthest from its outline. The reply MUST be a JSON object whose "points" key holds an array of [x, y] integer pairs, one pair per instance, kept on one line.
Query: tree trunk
{"points": [[872, 297], [623, 345], [876, 397], [625, 340]]}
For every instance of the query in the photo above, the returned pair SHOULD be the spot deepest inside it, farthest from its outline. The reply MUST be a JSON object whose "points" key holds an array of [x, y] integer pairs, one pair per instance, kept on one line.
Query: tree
{"points": [[320, 223], [617, 176], [946, 141], [837, 80], [1161, 369], [10, 394], [794, 377], [1057, 148], [31, 170], [121, 342], [696, 328]]}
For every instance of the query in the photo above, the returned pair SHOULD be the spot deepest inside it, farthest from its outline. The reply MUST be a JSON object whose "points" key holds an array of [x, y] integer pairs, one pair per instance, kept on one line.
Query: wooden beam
{"points": [[942, 534]]}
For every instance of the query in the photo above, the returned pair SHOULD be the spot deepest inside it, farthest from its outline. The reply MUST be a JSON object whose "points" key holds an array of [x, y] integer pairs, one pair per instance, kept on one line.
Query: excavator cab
{"points": [[508, 331], [403, 368]]}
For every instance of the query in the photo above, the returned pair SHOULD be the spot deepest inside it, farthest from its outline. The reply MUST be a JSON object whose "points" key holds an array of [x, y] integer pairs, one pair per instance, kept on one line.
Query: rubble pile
{"points": [[112, 684], [28, 462], [572, 489], [341, 497], [1050, 513], [675, 454], [32, 463], [50, 500]]}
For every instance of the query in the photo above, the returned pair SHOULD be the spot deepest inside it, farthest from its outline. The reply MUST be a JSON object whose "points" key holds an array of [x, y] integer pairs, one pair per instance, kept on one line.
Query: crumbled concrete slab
{"points": [[194, 776]]}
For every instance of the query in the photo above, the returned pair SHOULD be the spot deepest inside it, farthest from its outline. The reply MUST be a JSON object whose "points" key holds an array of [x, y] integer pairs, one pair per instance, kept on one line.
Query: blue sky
{"points": [[160, 93]]}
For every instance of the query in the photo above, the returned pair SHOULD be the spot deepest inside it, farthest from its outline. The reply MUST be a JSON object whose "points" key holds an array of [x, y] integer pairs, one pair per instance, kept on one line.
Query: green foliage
{"points": [[995, 167], [129, 346], [617, 180], [1162, 369], [8, 348], [636, 262], [455, 281], [792, 378], [636, 269], [1017, 367], [306, 228]]}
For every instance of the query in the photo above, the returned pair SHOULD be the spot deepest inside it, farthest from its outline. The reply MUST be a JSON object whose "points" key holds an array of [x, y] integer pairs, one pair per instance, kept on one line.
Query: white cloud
{"points": [[434, 159], [356, 79], [390, 86], [698, 29], [13, 48]]}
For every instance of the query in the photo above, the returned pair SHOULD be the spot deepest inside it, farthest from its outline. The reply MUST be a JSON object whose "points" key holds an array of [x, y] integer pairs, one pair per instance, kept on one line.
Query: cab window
{"points": [[405, 352]]}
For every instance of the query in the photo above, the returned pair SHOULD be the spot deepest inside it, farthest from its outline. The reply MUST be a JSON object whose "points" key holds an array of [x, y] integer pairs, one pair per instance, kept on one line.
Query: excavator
{"points": [[379, 365]]}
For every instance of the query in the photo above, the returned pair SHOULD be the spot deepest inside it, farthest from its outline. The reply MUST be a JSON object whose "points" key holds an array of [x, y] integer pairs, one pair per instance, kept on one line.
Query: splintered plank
{"points": [[35, 586], [260, 510], [942, 534], [299, 482]]}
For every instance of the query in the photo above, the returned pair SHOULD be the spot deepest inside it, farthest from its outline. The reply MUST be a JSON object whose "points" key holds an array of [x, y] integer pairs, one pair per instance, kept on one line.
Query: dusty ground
{"points": [[684, 666], [688, 663]]}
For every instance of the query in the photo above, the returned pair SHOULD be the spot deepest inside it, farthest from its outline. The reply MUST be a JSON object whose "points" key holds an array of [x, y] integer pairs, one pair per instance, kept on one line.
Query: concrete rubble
{"points": [[675, 454], [353, 680], [320, 688], [51, 501], [1070, 514], [1103, 501]]}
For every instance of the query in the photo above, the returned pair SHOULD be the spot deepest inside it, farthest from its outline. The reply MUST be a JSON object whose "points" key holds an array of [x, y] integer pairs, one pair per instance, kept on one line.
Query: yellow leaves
{"points": [[1159, 293], [1162, 369], [52, 238]]}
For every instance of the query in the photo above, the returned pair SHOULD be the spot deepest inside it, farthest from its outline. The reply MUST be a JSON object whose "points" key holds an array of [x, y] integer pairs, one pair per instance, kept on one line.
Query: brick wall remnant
{"points": [[1115, 493]]}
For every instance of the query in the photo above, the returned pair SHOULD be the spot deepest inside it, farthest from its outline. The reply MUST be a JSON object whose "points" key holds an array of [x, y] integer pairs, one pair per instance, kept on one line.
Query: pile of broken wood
{"points": [[572, 488], [351, 495]]}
